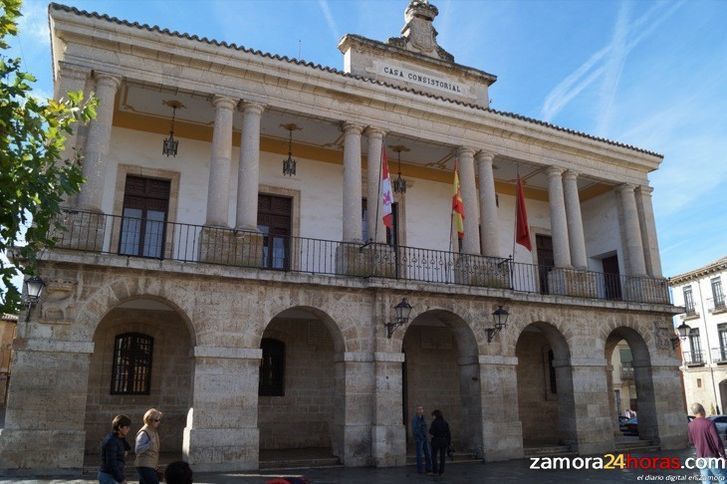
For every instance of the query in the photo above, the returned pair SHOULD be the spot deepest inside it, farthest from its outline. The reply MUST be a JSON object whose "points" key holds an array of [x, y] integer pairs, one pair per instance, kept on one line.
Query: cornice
{"points": [[714, 267]]}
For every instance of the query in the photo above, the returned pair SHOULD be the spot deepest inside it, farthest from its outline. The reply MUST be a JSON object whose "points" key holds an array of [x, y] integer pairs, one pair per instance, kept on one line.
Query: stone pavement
{"points": [[511, 471]]}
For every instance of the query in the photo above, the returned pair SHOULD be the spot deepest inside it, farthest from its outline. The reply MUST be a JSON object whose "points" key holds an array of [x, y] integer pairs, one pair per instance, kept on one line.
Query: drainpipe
{"points": [[709, 347]]}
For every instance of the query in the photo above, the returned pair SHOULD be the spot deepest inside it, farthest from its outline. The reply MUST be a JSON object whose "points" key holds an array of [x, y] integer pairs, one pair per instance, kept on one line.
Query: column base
{"points": [[375, 260], [388, 445], [647, 290], [573, 282], [356, 448], [81, 231], [232, 248], [476, 270], [502, 440], [217, 450], [45, 452]]}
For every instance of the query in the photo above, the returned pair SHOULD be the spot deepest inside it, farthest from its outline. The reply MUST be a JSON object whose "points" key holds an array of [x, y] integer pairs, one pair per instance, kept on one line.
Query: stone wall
{"points": [[303, 416], [537, 406], [432, 377], [171, 377]]}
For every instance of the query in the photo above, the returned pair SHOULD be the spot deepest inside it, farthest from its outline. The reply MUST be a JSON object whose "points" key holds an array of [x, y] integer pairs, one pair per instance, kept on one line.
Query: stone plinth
{"points": [[572, 282], [231, 247], [645, 289], [81, 231], [375, 260], [475, 270]]}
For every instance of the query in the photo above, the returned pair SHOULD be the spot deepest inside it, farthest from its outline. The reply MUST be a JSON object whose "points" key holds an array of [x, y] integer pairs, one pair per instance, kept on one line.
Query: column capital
{"points": [[554, 171], [224, 102], [374, 132], [485, 156], [570, 175], [466, 151], [349, 127], [646, 190], [625, 187], [73, 71], [252, 107], [107, 79]]}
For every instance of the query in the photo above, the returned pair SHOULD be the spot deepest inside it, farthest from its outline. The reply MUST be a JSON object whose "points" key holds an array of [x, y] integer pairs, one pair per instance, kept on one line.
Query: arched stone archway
{"points": [[141, 359], [441, 371], [545, 387], [634, 366], [301, 399]]}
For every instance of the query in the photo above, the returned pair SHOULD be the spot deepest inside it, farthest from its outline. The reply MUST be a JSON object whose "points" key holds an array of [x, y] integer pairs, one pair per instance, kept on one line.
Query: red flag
{"points": [[457, 205], [386, 193], [522, 229]]}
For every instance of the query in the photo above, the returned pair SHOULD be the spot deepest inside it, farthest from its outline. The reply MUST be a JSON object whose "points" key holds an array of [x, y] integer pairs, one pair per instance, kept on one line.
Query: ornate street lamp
{"points": [[682, 333], [402, 312], [33, 290], [289, 163], [399, 184], [170, 145], [499, 317]]}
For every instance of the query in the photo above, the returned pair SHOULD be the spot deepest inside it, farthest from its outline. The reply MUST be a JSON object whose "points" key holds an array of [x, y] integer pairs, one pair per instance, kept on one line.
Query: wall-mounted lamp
{"points": [[499, 317], [402, 312], [682, 333], [33, 290]]}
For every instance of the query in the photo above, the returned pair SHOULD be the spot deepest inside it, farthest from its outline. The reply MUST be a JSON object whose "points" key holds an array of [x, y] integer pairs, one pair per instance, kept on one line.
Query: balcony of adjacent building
{"points": [[694, 358], [719, 356]]}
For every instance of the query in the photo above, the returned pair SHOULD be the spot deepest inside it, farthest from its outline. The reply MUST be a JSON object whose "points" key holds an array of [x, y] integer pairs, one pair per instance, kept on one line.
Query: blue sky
{"points": [[652, 74]]}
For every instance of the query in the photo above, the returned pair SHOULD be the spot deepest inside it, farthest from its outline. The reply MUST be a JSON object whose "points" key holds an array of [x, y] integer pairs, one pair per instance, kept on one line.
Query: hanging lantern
{"points": [[399, 184], [170, 145], [289, 163]]}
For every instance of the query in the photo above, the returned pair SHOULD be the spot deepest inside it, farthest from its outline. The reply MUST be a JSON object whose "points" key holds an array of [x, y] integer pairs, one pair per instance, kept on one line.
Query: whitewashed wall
{"points": [[601, 230]]}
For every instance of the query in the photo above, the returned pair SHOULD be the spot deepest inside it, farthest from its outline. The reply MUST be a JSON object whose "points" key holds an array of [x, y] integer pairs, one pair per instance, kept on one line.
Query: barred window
{"points": [[131, 374], [272, 368]]}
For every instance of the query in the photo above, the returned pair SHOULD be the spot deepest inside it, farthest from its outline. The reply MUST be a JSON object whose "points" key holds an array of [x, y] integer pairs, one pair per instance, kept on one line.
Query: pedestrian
{"points": [[178, 472], [419, 432], [703, 435], [113, 452], [147, 448], [441, 440]]}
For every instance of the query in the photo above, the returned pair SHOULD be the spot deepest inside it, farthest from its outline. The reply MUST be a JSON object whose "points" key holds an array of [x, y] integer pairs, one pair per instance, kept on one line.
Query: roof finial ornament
{"points": [[418, 33]]}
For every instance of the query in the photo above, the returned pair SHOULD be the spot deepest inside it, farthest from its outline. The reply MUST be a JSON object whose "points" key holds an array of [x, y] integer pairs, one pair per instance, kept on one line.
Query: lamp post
{"points": [[499, 317], [33, 290], [682, 333], [402, 311]]}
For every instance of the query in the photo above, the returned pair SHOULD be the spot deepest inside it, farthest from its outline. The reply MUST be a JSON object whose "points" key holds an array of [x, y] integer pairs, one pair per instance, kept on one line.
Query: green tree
{"points": [[34, 180]]}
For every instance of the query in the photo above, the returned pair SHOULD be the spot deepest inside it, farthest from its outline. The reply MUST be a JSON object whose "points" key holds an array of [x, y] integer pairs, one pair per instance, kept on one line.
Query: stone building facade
{"points": [[252, 307], [704, 351]]}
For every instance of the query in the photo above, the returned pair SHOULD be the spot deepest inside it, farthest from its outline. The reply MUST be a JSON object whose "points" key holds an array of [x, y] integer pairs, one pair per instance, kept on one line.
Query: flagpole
{"points": [[514, 232], [451, 212], [378, 196]]}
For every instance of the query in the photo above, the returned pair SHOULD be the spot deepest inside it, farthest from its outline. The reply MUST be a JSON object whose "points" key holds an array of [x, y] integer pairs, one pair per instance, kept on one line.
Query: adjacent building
{"points": [[226, 261], [704, 351]]}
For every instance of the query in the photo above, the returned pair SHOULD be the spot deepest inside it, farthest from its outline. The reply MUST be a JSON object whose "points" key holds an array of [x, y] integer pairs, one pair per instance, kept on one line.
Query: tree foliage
{"points": [[34, 180]]}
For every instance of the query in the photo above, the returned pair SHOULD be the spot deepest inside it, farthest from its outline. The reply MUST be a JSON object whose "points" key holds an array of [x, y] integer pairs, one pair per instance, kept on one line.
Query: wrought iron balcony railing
{"points": [[135, 237], [627, 371], [693, 358], [719, 355]]}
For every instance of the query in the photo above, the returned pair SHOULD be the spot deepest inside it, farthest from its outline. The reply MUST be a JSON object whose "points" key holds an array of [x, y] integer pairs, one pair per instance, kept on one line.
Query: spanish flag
{"points": [[457, 205]]}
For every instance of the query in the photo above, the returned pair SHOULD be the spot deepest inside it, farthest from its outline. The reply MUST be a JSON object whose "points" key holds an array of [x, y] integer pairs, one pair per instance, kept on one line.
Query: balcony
{"points": [[719, 356], [693, 358], [627, 371], [133, 237], [719, 306]]}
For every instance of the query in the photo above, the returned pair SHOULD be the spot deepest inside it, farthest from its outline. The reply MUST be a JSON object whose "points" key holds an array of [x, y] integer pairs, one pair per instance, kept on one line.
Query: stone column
{"points": [[249, 172], [635, 264], [373, 200], [502, 436], [648, 230], [221, 432], [218, 191], [353, 403], [488, 205], [575, 220], [388, 434], [471, 404], [97, 144], [70, 78], [471, 241], [46, 405], [352, 182], [558, 220]]}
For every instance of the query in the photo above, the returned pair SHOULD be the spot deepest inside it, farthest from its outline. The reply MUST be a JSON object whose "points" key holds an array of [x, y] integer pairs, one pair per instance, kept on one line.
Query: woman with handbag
{"points": [[441, 440], [147, 448]]}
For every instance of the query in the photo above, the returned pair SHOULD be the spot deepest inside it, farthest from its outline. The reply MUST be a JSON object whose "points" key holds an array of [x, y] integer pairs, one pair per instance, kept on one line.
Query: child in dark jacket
{"points": [[113, 452]]}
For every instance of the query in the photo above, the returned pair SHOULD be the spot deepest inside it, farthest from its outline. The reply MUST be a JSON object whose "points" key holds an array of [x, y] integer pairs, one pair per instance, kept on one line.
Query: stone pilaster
{"points": [[633, 245], [388, 434], [352, 182], [97, 144], [70, 78], [558, 220], [488, 205], [374, 200], [221, 432], [248, 175], [471, 241], [45, 406], [648, 230], [502, 432], [355, 386], [575, 220], [218, 190]]}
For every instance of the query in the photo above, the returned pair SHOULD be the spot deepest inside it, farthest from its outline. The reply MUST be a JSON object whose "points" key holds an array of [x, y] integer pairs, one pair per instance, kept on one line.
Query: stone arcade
{"points": [[249, 308]]}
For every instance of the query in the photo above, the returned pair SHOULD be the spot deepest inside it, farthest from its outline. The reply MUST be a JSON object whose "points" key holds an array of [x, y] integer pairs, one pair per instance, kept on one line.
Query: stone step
{"points": [[640, 445], [458, 458], [548, 451], [317, 462]]}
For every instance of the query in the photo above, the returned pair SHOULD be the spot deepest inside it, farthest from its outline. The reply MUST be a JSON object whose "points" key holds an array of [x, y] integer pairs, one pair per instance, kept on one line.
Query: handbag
{"points": [[450, 451]]}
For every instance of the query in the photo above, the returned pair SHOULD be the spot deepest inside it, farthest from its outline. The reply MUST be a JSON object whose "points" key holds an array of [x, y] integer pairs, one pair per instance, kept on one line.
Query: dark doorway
{"points": [[612, 277], [144, 216], [273, 221], [544, 245]]}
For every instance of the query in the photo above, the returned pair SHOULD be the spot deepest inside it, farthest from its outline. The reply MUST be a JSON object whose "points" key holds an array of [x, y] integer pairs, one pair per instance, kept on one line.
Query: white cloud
{"points": [[330, 21], [33, 24]]}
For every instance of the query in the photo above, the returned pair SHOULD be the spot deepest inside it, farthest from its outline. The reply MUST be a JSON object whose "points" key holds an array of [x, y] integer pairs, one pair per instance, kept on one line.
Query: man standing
{"points": [[419, 431], [703, 435]]}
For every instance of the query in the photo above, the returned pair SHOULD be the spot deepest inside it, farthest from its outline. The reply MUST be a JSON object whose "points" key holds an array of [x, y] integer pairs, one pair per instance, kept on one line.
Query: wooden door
{"points": [[144, 217], [546, 261], [273, 221], [611, 277]]}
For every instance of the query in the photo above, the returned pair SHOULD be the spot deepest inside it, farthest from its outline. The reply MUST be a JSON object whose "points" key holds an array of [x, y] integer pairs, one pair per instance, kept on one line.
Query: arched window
{"points": [[272, 368], [131, 373]]}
